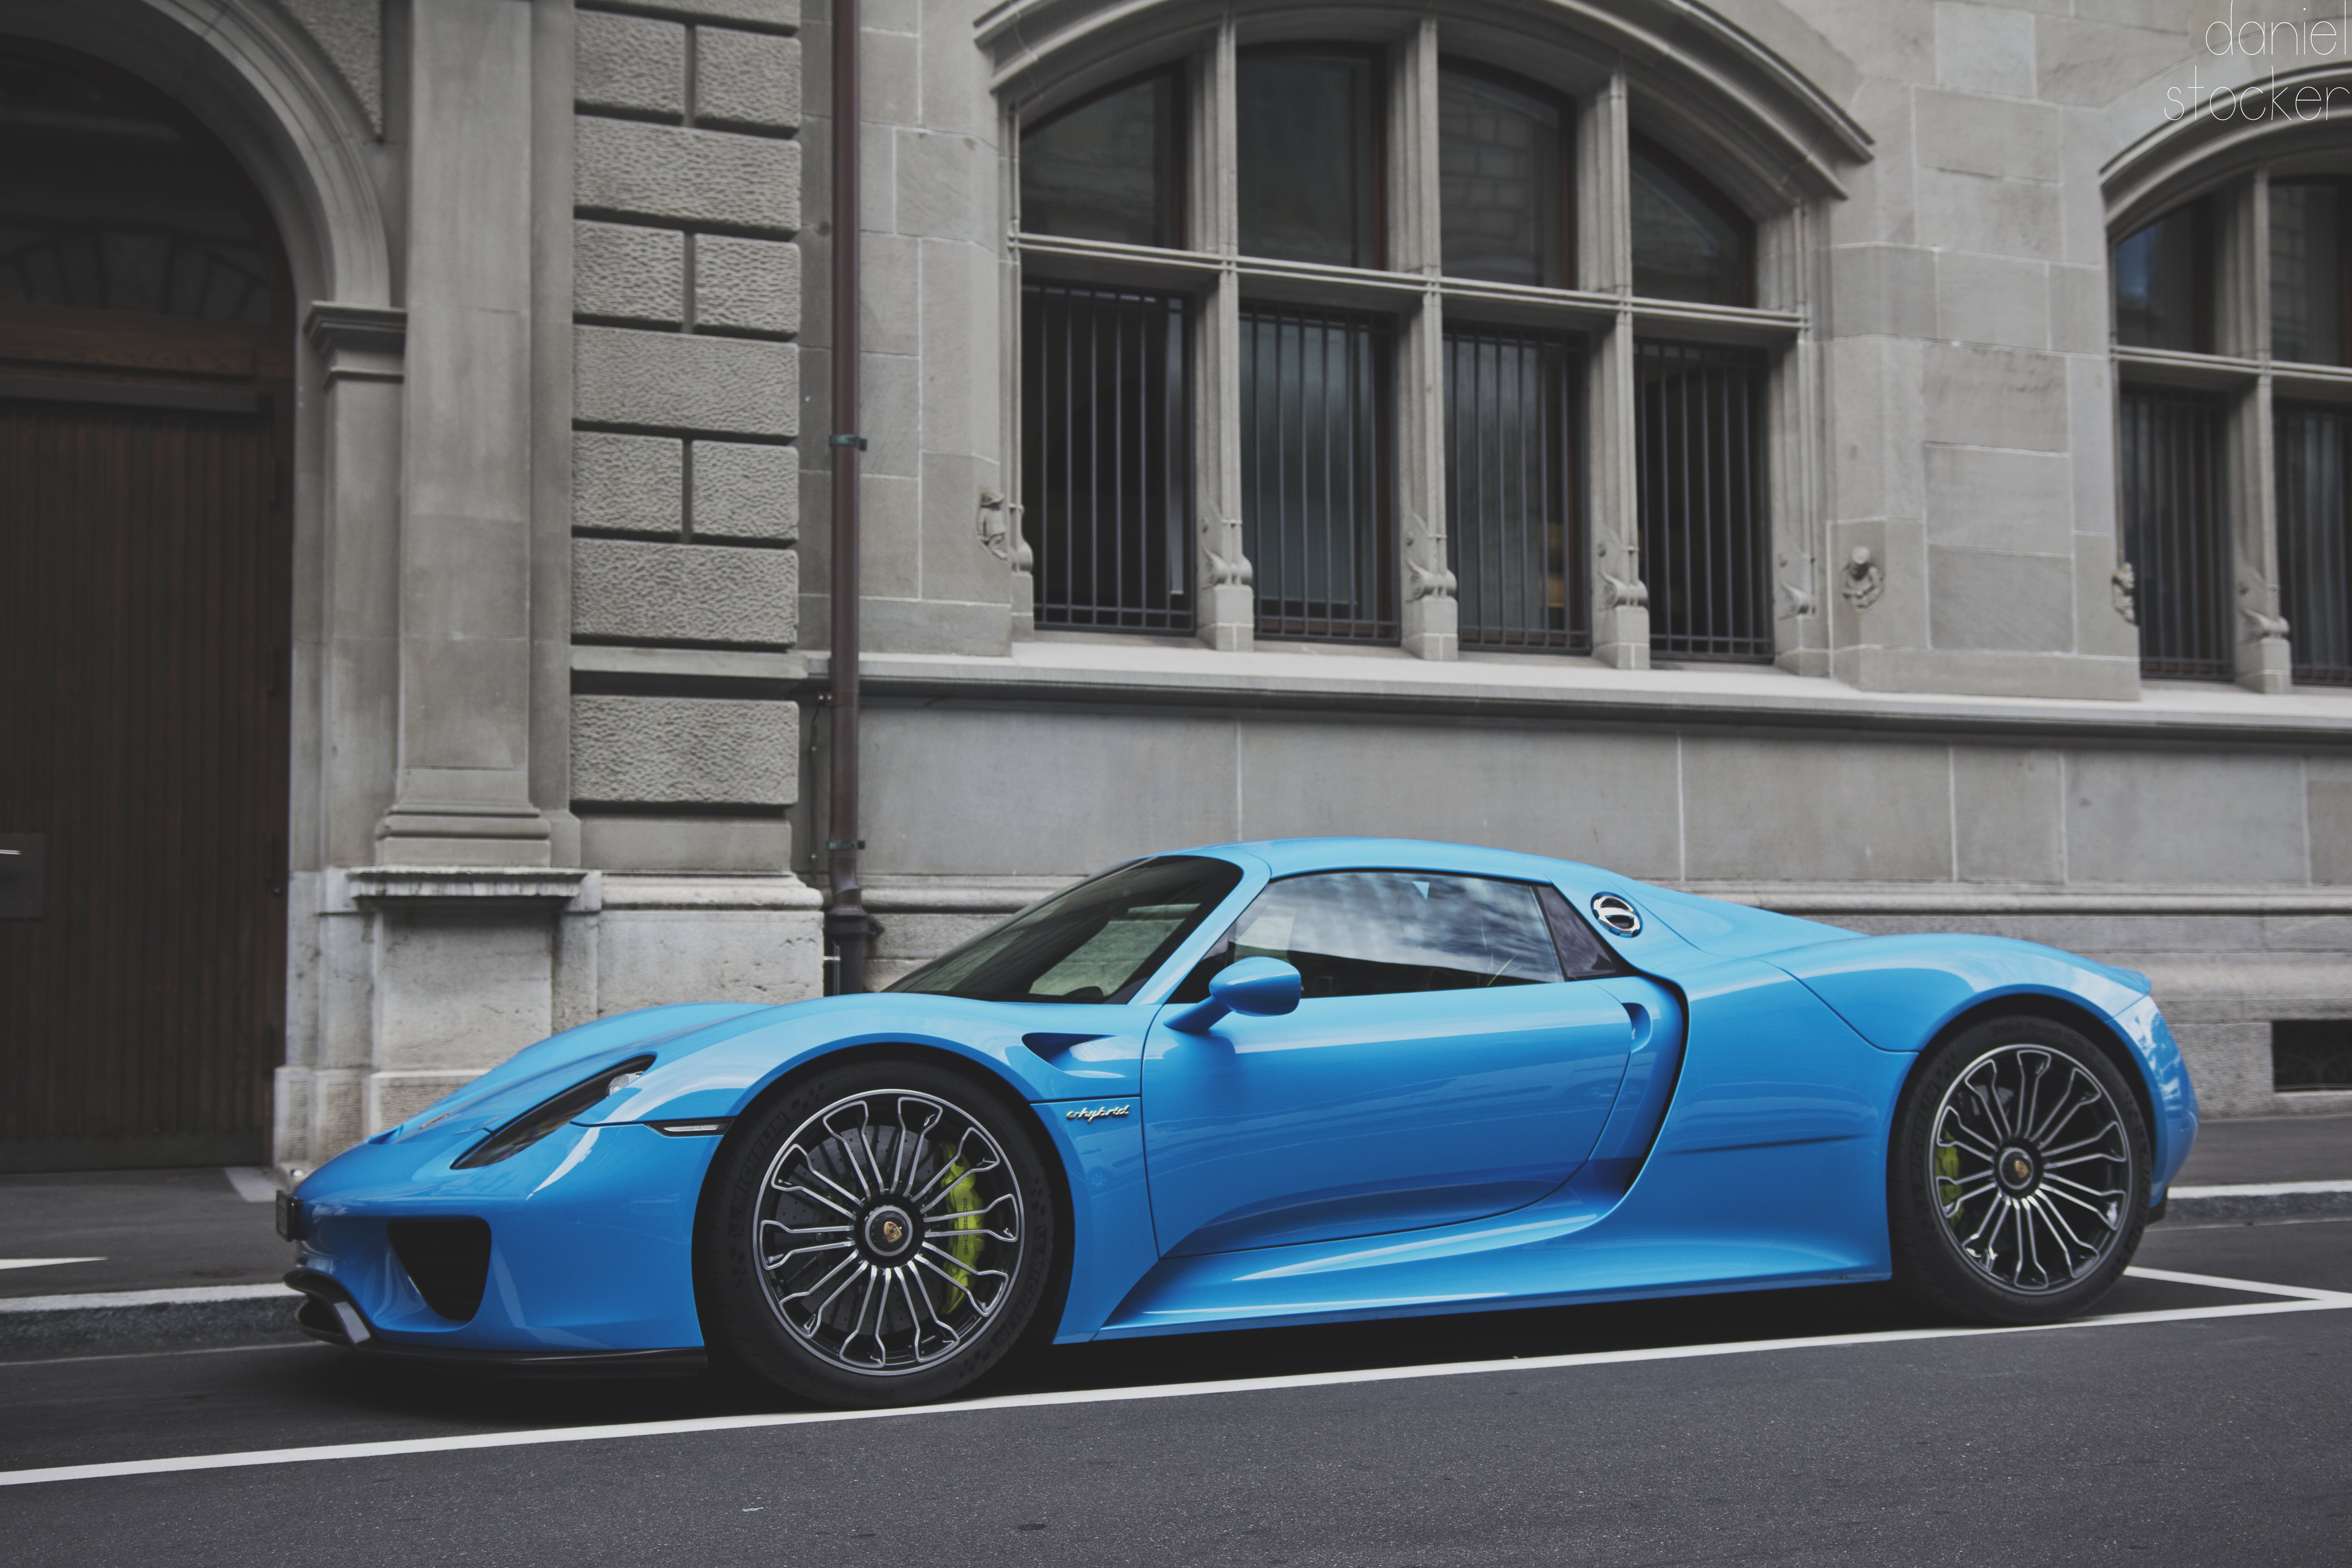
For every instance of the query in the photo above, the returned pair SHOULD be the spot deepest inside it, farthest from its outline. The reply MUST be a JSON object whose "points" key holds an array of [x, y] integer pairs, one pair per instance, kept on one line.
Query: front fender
{"points": [[1898, 991]]}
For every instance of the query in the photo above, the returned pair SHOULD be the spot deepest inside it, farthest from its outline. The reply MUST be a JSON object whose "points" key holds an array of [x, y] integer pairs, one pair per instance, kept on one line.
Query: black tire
{"points": [[874, 1293], [2017, 1175]]}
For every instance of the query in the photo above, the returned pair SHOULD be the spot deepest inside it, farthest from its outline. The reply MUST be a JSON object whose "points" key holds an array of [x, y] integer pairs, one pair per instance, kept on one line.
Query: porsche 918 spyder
{"points": [[1284, 1083]]}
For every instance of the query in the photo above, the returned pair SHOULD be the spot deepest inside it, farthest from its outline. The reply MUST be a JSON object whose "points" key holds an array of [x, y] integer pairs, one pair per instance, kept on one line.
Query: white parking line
{"points": [[2298, 1298]]}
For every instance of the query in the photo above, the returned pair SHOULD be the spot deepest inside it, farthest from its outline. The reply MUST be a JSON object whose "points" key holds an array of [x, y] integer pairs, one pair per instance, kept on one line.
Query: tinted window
{"points": [[1106, 168], [1309, 159], [1097, 941], [2306, 272], [1499, 174], [2158, 290], [1366, 934], [1687, 242]]}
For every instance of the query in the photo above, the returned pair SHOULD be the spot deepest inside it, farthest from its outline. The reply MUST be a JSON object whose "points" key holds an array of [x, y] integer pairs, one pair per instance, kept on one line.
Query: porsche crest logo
{"points": [[2019, 1170], [893, 1233]]}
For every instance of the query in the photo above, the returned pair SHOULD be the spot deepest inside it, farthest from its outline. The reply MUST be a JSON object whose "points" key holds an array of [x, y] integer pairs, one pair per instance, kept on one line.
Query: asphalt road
{"points": [[2213, 1439]]}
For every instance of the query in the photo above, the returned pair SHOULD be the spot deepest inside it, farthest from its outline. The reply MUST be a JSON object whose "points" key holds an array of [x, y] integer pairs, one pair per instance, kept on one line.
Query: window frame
{"points": [[1412, 289], [1705, 189], [1174, 214]]}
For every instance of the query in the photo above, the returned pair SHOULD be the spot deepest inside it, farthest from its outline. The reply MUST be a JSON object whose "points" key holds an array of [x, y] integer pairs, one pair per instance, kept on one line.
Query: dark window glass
{"points": [[2175, 537], [2307, 275], [1106, 459], [1107, 169], [1368, 934], [1315, 472], [1097, 940], [1512, 513], [2160, 289], [2311, 1053], [1706, 545], [1688, 242], [1582, 956], [2316, 538], [111, 202], [1502, 194], [1309, 157]]}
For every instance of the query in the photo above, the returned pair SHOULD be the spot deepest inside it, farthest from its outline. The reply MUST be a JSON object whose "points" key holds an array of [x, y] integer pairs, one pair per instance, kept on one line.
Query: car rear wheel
{"points": [[2018, 1178], [881, 1233]]}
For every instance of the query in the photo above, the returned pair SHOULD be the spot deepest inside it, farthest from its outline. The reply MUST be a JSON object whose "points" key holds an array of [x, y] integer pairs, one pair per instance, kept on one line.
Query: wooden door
{"points": [[144, 620]]}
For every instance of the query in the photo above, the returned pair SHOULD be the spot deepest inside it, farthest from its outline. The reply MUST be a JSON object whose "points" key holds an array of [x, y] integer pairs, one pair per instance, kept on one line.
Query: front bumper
{"points": [[591, 1246]]}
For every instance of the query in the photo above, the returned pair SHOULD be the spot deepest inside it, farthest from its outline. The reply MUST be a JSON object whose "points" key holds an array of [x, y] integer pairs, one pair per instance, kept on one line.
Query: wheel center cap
{"points": [[889, 1231], [2017, 1169]]}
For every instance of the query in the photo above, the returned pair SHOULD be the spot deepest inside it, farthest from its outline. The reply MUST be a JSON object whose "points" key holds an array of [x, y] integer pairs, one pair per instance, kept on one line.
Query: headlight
{"points": [[549, 1114]]}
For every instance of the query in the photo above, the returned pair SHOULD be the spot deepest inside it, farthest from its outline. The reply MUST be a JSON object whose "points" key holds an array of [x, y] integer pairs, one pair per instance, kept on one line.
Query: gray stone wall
{"points": [[687, 414]]}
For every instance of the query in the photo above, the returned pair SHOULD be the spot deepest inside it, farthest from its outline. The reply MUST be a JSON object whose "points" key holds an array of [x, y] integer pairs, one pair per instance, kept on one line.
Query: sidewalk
{"points": [[183, 1259]]}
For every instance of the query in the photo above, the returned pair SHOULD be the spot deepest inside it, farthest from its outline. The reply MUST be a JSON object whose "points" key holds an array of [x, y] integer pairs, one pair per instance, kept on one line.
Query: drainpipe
{"points": [[847, 924]]}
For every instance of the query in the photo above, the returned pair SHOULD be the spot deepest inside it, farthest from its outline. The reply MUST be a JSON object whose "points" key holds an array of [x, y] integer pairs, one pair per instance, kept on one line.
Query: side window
{"points": [[1369, 933], [1583, 954]]}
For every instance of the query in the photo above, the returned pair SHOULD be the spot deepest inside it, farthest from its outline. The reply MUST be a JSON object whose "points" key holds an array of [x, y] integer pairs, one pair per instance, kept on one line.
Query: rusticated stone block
{"points": [[629, 63], [624, 591], [632, 483], [749, 13], [746, 492], [635, 274], [747, 79], [635, 169], [669, 380], [666, 750], [750, 285]]}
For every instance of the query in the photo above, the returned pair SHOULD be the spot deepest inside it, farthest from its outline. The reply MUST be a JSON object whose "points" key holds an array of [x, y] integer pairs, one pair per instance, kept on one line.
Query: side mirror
{"points": [[1263, 987]]}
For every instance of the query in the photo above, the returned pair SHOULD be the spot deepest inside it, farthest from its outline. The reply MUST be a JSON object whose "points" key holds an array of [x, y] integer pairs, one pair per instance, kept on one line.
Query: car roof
{"points": [[1289, 857]]}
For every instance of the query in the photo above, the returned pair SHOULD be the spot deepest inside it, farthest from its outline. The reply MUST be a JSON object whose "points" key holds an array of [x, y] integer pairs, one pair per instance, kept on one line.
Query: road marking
{"points": [[2299, 1299], [185, 1296], [43, 1262], [149, 1355]]}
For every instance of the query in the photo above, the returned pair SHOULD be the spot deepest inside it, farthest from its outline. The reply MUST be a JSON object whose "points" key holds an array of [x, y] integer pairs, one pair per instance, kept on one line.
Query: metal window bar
{"points": [[2313, 446], [1514, 511], [1316, 473], [2176, 533], [1705, 515], [1106, 456]]}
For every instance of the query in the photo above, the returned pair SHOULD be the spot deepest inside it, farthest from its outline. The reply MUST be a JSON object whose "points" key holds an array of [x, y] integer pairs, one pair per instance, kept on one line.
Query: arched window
{"points": [[2212, 368], [114, 204], [1388, 417]]}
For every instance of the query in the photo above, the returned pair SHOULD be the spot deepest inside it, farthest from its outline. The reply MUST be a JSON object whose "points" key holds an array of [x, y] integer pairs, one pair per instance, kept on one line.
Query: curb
{"points": [[124, 1322], [2259, 1200]]}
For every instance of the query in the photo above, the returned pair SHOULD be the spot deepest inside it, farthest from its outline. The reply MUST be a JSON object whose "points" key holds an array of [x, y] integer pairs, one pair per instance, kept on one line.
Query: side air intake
{"points": [[449, 1261]]}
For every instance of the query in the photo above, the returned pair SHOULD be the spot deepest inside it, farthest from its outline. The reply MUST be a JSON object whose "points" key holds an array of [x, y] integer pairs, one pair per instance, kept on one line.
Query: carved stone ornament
{"points": [[2261, 625], [998, 523], [1229, 571], [1864, 581], [1428, 584], [2124, 584], [1624, 593]]}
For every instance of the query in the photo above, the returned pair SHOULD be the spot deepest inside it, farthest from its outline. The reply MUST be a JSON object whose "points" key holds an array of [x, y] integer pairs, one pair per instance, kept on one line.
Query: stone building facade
{"points": [[1911, 529]]}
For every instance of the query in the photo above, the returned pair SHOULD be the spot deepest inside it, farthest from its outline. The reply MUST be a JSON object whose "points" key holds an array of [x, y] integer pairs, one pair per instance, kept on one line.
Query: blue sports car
{"points": [[1272, 1083]]}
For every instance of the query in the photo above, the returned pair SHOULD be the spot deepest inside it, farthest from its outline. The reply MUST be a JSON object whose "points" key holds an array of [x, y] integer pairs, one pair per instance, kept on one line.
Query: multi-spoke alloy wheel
{"points": [[888, 1231], [2032, 1168], [2019, 1184], [881, 1233]]}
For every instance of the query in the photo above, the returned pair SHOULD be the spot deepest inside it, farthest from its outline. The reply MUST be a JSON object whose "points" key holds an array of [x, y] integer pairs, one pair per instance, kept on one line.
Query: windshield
{"points": [[1095, 942]]}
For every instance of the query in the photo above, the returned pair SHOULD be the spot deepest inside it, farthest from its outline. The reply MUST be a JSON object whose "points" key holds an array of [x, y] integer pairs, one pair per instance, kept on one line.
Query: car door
{"points": [[1440, 1065]]}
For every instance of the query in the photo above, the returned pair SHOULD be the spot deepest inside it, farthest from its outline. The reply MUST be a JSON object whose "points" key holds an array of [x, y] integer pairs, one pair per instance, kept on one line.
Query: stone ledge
{"points": [[784, 891], [1163, 673], [686, 664], [460, 884]]}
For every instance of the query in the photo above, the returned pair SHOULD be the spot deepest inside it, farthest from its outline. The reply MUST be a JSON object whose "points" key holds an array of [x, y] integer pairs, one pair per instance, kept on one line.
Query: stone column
{"points": [[1620, 604], [1429, 610], [1226, 618], [2263, 657], [462, 790]]}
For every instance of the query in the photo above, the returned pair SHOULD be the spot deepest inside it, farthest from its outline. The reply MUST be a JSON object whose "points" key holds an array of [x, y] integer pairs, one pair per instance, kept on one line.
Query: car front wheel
{"points": [[881, 1233], [2019, 1173]]}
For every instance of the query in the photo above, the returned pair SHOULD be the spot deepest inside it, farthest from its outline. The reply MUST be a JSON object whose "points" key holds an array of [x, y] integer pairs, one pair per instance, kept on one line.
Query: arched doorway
{"points": [[145, 621]]}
